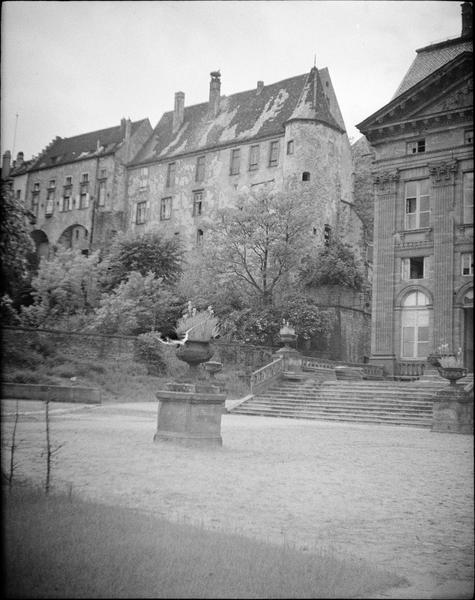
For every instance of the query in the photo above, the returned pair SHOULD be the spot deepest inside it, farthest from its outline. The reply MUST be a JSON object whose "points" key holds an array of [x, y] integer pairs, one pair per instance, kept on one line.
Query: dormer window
{"points": [[416, 147]]}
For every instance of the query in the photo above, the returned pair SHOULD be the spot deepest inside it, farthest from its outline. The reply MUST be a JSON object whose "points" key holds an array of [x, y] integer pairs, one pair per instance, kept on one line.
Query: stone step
{"points": [[422, 405], [399, 420]]}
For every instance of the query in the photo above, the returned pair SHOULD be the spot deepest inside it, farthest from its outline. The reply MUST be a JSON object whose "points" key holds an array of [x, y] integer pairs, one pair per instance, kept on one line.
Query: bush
{"points": [[26, 376], [149, 350], [24, 357]]}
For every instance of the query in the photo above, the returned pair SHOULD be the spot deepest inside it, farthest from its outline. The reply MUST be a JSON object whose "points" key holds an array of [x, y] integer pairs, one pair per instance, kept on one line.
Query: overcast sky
{"points": [[73, 67]]}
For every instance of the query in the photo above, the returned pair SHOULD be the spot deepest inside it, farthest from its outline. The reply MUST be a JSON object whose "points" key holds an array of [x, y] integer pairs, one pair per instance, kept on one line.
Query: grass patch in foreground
{"points": [[60, 547]]}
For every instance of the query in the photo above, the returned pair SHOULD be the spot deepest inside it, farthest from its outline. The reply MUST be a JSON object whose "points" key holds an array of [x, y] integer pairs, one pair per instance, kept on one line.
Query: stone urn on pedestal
{"points": [[189, 412], [291, 357], [452, 410]]}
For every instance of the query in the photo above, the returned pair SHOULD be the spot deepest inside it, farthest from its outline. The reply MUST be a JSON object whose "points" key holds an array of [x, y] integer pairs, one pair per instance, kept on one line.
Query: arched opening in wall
{"points": [[42, 249], [199, 237], [305, 176], [415, 325], [75, 237]]}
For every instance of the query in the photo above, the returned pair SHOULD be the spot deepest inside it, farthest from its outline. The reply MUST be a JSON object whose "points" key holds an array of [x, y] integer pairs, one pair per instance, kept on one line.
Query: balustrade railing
{"points": [[410, 368], [266, 375], [312, 362]]}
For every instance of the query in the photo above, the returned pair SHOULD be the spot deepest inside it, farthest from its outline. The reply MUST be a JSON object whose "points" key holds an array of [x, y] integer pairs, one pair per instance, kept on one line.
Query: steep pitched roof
{"points": [[430, 58], [241, 117], [95, 143]]}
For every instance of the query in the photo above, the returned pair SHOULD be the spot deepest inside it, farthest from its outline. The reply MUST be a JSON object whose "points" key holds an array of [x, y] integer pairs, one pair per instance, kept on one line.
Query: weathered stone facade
{"points": [[202, 157], [75, 188], [423, 220]]}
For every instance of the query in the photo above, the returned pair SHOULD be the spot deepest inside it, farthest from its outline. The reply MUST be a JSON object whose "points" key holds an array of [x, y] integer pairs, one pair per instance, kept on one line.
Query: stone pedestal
{"points": [[190, 414], [452, 411], [292, 359]]}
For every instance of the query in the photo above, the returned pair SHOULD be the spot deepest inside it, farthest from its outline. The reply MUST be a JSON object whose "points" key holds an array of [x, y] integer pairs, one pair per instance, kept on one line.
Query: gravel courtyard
{"points": [[401, 498]]}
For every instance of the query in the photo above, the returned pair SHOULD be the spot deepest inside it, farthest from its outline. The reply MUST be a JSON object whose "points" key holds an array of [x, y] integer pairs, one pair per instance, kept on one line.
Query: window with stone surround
{"points": [[50, 202], [274, 153], [414, 268], [143, 177], [101, 195], [200, 168], [290, 147], [84, 197], [235, 161], [67, 199], [171, 170], [417, 204], [141, 212], [468, 197], [165, 209], [415, 325], [416, 146], [468, 136], [254, 157], [467, 263], [197, 203]]}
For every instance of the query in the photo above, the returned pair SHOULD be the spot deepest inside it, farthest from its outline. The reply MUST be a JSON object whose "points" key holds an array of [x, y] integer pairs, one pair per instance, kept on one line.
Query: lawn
{"points": [[58, 546]]}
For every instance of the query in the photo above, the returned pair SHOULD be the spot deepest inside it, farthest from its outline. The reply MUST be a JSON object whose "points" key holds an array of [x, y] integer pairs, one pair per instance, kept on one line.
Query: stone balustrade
{"points": [[266, 375]]}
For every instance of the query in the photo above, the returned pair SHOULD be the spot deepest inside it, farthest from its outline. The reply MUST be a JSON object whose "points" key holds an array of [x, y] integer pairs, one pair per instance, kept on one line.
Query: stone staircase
{"points": [[360, 401]]}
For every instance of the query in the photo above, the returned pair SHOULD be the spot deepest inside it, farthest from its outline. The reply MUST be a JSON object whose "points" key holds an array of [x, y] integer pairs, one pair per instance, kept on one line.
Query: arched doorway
{"points": [[41, 242], [415, 325], [75, 237]]}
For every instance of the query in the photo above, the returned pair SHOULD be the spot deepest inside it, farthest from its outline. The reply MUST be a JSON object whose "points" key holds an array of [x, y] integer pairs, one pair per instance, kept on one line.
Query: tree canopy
{"points": [[258, 241], [149, 253]]}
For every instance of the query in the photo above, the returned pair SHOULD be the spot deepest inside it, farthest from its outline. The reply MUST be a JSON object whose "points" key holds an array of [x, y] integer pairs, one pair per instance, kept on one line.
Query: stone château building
{"points": [[201, 157], [423, 229], [75, 188]]}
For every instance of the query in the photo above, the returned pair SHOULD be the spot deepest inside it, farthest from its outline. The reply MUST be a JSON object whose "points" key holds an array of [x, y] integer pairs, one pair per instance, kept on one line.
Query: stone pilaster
{"points": [[382, 326], [443, 202]]}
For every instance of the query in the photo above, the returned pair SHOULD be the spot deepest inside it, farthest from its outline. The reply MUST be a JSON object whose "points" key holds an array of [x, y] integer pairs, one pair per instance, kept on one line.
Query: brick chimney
{"points": [[467, 19], [260, 87], [6, 164], [128, 129], [214, 93], [19, 159], [179, 111]]}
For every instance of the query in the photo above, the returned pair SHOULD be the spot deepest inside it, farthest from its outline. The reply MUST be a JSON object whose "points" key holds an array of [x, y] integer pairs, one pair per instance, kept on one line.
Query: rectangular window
{"points": [[254, 157], [171, 174], [290, 147], [50, 203], [413, 268], [197, 203], [235, 161], [274, 154], [199, 237], [468, 137], [200, 168], [102, 173], [69, 181], [416, 147], [141, 212], [66, 200], [165, 209], [468, 197], [36, 187], [84, 197], [467, 263], [52, 184], [85, 178], [101, 199], [417, 203], [18, 195], [143, 176], [35, 197]]}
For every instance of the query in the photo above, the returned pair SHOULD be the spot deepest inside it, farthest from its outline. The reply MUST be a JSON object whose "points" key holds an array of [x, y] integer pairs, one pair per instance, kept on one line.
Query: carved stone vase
{"points": [[195, 352], [453, 374]]}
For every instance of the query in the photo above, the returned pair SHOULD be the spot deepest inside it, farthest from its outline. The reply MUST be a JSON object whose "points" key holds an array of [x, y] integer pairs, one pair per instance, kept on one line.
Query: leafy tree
{"points": [[261, 325], [148, 253], [66, 284], [333, 265], [137, 305], [259, 241], [15, 243]]}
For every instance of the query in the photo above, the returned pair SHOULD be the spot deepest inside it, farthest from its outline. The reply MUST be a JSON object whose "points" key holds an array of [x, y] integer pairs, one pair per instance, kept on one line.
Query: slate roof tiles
{"points": [[243, 116]]}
